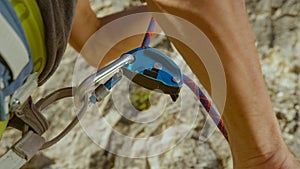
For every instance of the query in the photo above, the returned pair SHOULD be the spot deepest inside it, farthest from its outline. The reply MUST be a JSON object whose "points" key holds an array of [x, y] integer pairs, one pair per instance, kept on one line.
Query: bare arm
{"points": [[86, 23], [254, 134]]}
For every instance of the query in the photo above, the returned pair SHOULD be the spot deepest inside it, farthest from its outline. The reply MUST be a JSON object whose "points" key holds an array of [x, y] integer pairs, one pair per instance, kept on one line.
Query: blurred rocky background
{"points": [[276, 24]]}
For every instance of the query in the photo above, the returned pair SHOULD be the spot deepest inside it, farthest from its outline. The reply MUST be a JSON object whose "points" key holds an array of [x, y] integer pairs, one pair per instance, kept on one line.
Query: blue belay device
{"points": [[155, 71]]}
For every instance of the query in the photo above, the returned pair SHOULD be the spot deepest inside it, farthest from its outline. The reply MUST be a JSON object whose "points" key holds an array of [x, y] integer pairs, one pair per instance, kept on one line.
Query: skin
{"points": [[79, 36], [254, 134]]}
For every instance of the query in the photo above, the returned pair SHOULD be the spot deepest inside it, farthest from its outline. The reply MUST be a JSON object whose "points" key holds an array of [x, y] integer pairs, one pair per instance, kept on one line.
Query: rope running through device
{"points": [[145, 66]]}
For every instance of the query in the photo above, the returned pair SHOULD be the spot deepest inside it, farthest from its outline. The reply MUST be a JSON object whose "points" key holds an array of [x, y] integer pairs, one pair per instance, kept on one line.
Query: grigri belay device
{"points": [[149, 68]]}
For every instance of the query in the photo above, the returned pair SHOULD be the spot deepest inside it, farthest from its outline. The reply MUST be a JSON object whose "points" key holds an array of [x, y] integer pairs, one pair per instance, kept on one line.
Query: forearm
{"points": [[253, 130], [248, 113], [86, 24]]}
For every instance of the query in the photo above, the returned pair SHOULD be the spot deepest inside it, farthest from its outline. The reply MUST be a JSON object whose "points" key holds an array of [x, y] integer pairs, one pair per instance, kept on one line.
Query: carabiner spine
{"points": [[94, 80]]}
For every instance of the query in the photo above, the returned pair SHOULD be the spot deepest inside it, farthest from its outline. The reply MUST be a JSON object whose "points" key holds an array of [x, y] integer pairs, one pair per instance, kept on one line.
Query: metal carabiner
{"points": [[93, 81]]}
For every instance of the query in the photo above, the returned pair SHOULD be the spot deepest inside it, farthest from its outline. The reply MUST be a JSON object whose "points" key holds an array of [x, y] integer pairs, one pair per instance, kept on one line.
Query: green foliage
{"points": [[140, 98]]}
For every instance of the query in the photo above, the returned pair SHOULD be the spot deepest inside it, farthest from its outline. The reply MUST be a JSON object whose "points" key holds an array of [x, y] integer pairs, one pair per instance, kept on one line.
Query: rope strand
{"points": [[207, 105]]}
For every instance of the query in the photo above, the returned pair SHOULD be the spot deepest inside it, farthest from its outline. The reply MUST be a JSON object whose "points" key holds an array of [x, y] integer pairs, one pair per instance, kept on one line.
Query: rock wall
{"points": [[276, 24]]}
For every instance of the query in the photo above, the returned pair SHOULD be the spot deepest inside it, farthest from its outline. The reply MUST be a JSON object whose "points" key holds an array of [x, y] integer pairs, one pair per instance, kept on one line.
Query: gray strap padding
{"points": [[31, 116], [11, 160], [22, 151], [29, 145]]}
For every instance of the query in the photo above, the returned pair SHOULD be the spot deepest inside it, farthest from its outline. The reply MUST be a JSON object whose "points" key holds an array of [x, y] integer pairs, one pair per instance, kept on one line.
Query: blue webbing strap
{"points": [[7, 11]]}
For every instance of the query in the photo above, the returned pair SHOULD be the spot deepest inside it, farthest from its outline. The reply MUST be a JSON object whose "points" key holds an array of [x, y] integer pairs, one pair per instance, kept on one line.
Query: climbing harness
{"points": [[145, 66], [16, 59]]}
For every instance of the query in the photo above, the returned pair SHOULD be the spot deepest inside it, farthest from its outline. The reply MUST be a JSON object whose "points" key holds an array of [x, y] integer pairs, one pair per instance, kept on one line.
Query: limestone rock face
{"points": [[276, 25]]}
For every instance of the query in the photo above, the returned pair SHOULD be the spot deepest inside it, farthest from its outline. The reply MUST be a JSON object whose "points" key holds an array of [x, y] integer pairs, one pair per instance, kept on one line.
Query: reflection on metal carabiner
{"points": [[94, 80]]}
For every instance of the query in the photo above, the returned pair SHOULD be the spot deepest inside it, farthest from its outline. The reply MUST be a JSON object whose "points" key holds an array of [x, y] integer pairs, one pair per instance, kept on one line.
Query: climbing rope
{"points": [[207, 105]]}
